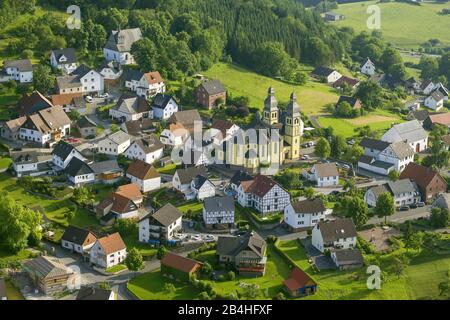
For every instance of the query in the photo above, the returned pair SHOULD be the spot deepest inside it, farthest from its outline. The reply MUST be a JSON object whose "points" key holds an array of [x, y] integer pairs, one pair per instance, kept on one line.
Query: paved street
{"points": [[402, 216]]}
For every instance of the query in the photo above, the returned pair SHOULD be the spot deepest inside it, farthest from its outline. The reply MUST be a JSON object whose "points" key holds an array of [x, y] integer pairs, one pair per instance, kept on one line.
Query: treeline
{"points": [[10, 9]]}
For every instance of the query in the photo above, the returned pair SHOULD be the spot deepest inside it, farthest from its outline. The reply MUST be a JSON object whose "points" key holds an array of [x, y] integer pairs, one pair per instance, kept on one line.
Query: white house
{"points": [[111, 71], [79, 173], [19, 70], [30, 163], [181, 180], [202, 188], [148, 149], [63, 153], [114, 144], [160, 226], [305, 214], [404, 192], [383, 157], [129, 108], [410, 132], [118, 46], [330, 75], [324, 174], [90, 80], [175, 135], [222, 130], [64, 59], [427, 87], [144, 175], [443, 90], [218, 212], [108, 251], [435, 100], [163, 106], [78, 240], [368, 67], [150, 84], [335, 234], [263, 194]]}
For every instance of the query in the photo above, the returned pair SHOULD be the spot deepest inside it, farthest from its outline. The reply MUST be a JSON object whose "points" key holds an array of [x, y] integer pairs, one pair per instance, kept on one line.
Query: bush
{"points": [[231, 276], [169, 287]]}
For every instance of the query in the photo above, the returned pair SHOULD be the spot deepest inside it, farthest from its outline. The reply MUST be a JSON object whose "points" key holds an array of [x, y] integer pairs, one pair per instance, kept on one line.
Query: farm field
{"points": [[404, 25], [420, 279]]}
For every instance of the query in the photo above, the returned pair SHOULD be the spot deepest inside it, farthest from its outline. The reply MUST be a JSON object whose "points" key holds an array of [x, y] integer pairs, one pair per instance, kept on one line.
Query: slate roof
{"points": [[85, 122], [149, 144], [240, 176], [112, 243], [374, 144], [46, 267], [425, 84], [186, 175], [352, 101], [76, 167], [122, 40], [165, 216], [90, 293], [24, 157], [142, 170], [55, 117], [81, 71], [437, 95], [131, 74], [186, 118], [309, 206], [199, 181], [298, 279], [337, 229], [105, 166], [213, 87], [348, 256], [326, 169], [232, 245], [132, 104], [22, 65], [63, 149], [161, 100], [419, 115], [69, 53], [322, 71], [30, 104], [68, 81], [180, 263], [137, 126], [402, 150], [402, 186], [217, 204], [78, 236], [119, 137], [379, 190]]}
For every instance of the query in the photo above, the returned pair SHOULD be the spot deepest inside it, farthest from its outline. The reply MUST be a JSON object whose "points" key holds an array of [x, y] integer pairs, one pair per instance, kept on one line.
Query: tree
{"points": [[206, 268], [43, 79], [309, 193], [146, 54], [357, 209], [169, 287], [394, 175], [338, 146], [74, 115], [429, 67], [444, 288], [134, 260], [344, 109], [231, 275], [270, 59], [114, 128], [369, 93], [353, 153], [439, 217], [322, 148], [385, 206], [400, 264], [349, 185], [161, 252]]}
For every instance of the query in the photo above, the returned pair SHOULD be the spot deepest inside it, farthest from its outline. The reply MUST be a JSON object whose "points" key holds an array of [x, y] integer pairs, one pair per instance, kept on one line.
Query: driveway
{"points": [[321, 261]]}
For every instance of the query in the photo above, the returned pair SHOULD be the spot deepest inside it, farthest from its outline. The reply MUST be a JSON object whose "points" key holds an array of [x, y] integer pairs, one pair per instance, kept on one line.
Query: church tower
{"points": [[293, 127], [270, 113]]}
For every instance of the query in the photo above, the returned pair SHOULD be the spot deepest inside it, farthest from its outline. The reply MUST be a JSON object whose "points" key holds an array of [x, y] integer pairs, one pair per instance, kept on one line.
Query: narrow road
{"points": [[402, 216]]}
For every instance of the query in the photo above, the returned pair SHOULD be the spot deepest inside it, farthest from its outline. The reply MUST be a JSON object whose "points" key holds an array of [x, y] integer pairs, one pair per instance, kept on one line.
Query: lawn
{"points": [[378, 120], [116, 268], [195, 207], [12, 293], [5, 162], [167, 169], [404, 25], [132, 241], [239, 81], [420, 279], [54, 210], [150, 286], [8, 257]]}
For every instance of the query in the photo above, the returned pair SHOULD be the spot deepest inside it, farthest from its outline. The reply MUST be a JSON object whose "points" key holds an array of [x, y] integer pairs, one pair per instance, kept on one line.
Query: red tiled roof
{"points": [[153, 77], [298, 279], [112, 243], [440, 118], [142, 170], [64, 99], [130, 191], [419, 174], [180, 263], [260, 185]]}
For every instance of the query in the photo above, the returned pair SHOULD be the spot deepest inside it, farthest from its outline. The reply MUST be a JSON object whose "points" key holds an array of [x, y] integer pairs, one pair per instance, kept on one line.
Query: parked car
{"points": [[209, 238], [104, 95], [196, 237], [413, 205], [403, 208], [421, 204], [89, 99]]}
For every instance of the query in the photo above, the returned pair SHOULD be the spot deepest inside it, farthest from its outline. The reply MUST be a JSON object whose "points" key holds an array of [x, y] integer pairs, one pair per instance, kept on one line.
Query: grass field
{"points": [[12, 293], [404, 25], [239, 81], [420, 279]]}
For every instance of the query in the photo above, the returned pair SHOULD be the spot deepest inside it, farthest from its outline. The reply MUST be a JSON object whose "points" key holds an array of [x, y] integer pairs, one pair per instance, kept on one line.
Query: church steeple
{"points": [[293, 127], [271, 107], [293, 108]]}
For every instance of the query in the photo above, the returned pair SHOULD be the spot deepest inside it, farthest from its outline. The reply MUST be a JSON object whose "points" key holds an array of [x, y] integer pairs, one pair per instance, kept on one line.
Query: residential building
{"points": [[130, 108], [305, 214], [148, 149], [139, 127], [19, 70], [263, 194], [144, 175], [63, 153], [334, 234], [150, 84], [122, 204], [333, 16], [218, 212], [64, 60], [108, 251], [383, 157], [329, 75], [31, 163], [430, 183], [118, 46], [238, 177], [410, 132], [10, 129], [419, 115], [427, 87], [87, 127], [355, 103], [443, 90], [163, 106], [209, 93], [222, 130], [404, 192], [160, 226], [90, 79], [32, 103], [324, 174], [178, 267], [437, 118], [346, 259], [181, 180], [107, 171], [48, 274], [368, 67], [442, 201], [111, 72], [69, 101], [201, 188], [98, 294], [78, 240], [175, 135], [115, 144], [299, 283], [79, 173], [435, 100], [344, 80], [247, 252]]}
